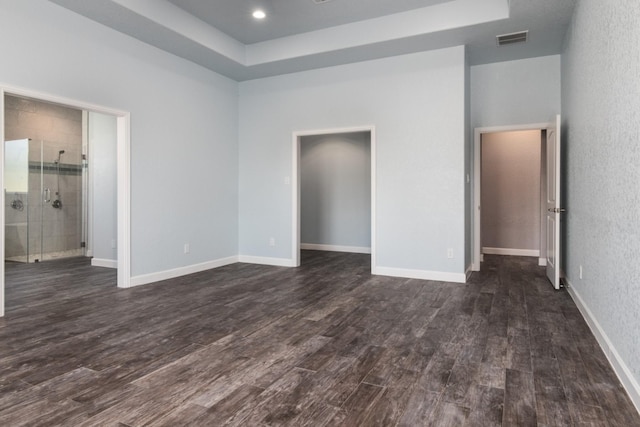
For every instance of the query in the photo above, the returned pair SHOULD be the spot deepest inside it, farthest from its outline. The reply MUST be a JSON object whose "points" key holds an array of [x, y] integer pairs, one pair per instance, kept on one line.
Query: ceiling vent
{"points": [[320, 1], [519, 37]]}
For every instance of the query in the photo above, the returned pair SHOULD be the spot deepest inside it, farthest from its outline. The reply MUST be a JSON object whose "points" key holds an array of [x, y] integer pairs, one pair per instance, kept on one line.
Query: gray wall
{"points": [[335, 189], [511, 190], [101, 130], [416, 103], [515, 92], [601, 126], [184, 126]]}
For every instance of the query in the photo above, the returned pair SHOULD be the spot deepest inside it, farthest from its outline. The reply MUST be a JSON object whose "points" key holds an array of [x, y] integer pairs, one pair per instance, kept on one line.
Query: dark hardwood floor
{"points": [[323, 344]]}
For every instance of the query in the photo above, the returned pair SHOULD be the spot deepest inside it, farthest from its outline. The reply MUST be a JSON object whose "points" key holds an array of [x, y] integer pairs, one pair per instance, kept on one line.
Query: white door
{"points": [[553, 203]]}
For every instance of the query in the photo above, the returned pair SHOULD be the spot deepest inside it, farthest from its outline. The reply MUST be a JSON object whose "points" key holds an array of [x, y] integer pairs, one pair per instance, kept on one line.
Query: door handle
{"points": [[557, 210], [47, 195]]}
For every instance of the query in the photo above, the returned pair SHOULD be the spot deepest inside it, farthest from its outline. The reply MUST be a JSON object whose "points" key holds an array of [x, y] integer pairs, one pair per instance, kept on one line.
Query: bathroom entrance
{"points": [[45, 182], [44, 200]]}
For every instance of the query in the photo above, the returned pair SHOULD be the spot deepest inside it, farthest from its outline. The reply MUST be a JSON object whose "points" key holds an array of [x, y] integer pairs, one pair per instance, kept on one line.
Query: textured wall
{"points": [[335, 189], [601, 108], [511, 190]]}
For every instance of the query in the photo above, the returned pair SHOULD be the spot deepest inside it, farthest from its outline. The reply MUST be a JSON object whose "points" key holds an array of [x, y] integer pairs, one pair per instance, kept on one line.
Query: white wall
{"points": [[103, 227], [601, 110], [511, 191], [184, 158], [515, 92], [335, 189], [416, 103]]}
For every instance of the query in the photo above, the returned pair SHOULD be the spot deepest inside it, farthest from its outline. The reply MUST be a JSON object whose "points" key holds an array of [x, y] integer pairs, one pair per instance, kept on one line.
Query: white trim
{"points": [[124, 179], [295, 188], [277, 262], [440, 276], [335, 248], [542, 262], [101, 262], [511, 251], [617, 363], [475, 206], [144, 279], [467, 273], [123, 162]]}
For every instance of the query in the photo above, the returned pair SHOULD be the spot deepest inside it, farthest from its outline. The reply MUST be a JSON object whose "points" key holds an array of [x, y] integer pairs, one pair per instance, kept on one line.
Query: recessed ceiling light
{"points": [[259, 14]]}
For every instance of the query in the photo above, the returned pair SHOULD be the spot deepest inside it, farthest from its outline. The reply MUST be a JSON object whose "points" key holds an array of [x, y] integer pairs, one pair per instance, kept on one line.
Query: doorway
{"points": [[44, 176], [123, 175], [335, 169], [504, 235]]}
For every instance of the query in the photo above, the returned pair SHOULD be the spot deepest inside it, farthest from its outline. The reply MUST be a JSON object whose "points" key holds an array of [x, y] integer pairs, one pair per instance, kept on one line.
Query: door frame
{"points": [[477, 181], [123, 136], [295, 187]]}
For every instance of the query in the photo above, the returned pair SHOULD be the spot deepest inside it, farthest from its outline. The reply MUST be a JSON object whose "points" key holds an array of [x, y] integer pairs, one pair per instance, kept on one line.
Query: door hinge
{"points": [[83, 244]]}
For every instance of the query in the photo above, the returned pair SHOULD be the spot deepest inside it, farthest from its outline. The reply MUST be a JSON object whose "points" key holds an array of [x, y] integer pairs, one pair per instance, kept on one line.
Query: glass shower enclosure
{"points": [[43, 202]]}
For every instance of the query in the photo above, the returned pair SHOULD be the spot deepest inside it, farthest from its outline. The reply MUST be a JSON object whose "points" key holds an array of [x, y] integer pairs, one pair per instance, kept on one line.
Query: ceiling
{"points": [[300, 35], [289, 17]]}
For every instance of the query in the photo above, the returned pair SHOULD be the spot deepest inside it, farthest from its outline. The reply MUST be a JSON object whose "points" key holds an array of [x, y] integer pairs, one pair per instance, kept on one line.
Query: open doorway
{"points": [[509, 192], [59, 191], [44, 181], [334, 191]]}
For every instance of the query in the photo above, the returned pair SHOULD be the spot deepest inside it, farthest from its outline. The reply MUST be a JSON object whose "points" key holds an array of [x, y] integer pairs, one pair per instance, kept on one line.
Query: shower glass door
{"points": [[43, 193]]}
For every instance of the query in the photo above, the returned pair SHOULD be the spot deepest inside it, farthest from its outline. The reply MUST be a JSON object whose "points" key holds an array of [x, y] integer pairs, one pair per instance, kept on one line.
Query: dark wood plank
{"points": [[519, 401], [323, 344]]}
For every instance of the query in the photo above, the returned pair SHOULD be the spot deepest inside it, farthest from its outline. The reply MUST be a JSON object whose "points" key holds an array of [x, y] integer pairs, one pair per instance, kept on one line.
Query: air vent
{"points": [[519, 37], [320, 1]]}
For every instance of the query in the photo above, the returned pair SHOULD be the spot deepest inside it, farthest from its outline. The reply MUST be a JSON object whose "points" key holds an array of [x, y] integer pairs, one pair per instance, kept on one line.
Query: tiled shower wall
{"points": [[57, 231]]}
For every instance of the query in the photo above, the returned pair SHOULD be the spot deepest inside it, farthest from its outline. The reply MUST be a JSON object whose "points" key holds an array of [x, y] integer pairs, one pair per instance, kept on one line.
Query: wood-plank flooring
{"points": [[323, 344]]}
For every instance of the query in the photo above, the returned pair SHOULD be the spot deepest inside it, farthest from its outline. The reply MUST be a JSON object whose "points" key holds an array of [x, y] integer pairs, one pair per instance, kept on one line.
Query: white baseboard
{"points": [[143, 279], [467, 273], [335, 248], [100, 262], [511, 251], [617, 363], [439, 276], [278, 262], [542, 262]]}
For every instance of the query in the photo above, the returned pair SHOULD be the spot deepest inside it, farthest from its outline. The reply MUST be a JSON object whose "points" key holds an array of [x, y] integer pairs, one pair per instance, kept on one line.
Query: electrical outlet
{"points": [[450, 253], [113, 243], [580, 274], [186, 248], [272, 241]]}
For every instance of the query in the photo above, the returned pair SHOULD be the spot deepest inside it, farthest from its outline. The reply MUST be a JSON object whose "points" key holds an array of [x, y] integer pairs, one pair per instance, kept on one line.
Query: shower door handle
{"points": [[47, 195]]}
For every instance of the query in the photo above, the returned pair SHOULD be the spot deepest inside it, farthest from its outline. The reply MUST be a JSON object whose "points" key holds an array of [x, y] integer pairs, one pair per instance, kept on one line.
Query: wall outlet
{"points": [[186, 248], [580, 273], [113, 243], [287, 180], [272, 241], [450, 253]]}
